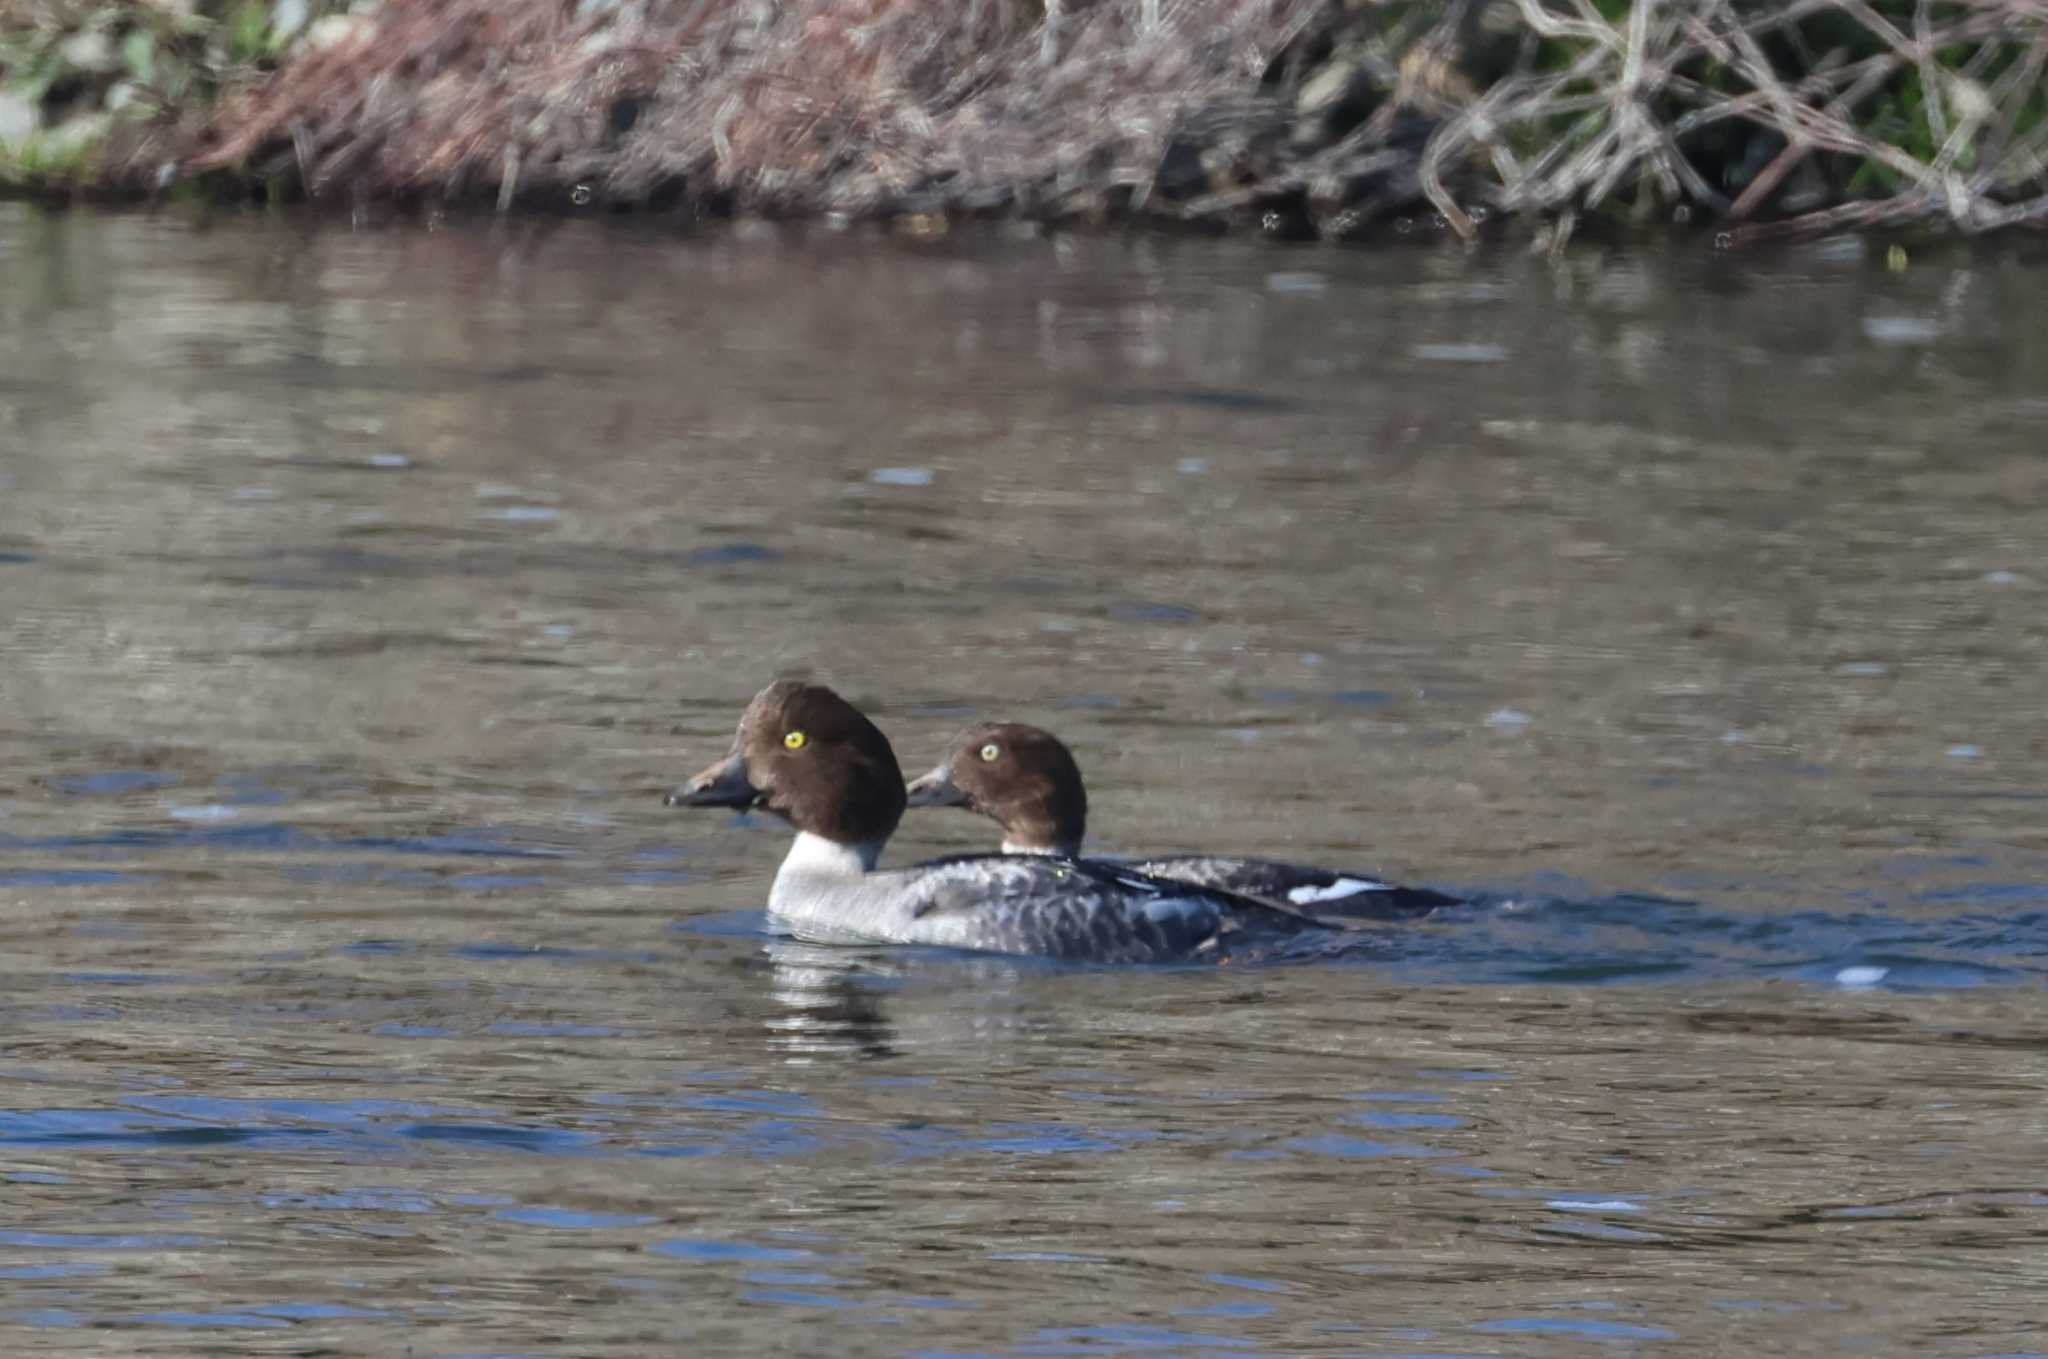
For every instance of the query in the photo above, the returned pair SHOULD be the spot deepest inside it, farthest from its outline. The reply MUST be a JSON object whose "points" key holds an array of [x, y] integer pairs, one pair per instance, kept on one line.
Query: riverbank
{"points": [[1306, 119]]}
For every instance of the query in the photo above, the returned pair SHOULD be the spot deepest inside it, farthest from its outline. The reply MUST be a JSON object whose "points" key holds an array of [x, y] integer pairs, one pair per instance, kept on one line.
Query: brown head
{"points": [[810, 757], [1022, 778]]}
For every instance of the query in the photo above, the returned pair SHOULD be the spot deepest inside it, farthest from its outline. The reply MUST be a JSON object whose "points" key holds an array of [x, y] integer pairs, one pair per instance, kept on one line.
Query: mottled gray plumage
{"points": [[1026, 780], [809, 757], [1081, 909]]}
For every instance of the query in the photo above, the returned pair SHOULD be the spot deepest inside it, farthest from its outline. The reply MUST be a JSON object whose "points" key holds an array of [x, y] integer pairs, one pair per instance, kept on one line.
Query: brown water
{"points": [[361, 591]]}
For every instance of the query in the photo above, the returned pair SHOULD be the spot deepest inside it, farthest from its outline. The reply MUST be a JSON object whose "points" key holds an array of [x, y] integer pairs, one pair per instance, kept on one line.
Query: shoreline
{"points": [[1331, 120]]}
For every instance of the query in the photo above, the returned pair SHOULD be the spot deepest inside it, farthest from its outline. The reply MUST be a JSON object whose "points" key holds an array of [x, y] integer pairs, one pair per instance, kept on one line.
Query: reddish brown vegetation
{"points": [[1315, 116], [454, 96], [853, 106]]}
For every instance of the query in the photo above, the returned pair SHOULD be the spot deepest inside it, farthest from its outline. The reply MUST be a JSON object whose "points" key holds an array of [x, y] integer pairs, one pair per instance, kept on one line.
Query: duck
{"points": [[804, 754], [1027, 781]]}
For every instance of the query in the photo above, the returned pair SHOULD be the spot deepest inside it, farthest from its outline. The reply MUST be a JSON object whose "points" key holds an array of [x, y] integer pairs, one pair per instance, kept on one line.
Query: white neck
{"points": [[1010, 847], [831, 889], [813, 854]]}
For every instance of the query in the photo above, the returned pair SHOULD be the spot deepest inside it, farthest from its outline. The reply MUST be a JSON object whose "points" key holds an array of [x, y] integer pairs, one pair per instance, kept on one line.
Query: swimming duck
{"points": [[805, 754], [1026, 780]]}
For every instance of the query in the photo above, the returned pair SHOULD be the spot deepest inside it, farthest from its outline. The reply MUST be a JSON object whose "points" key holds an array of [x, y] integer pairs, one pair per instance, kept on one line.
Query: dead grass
{"points": [[1316, 116], [855, 106]]}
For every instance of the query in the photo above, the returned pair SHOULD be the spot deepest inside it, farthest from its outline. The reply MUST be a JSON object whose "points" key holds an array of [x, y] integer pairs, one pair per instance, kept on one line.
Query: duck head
{"points": [[808, 756], [1021, 777]]}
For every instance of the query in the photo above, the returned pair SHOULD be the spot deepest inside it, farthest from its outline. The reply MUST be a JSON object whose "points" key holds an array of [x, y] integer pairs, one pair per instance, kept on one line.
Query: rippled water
{"points": [[361, 591]]}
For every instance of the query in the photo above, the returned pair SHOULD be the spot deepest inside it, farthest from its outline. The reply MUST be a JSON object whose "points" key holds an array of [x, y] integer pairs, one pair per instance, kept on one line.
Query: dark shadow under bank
{"points": [[1304, 119]]}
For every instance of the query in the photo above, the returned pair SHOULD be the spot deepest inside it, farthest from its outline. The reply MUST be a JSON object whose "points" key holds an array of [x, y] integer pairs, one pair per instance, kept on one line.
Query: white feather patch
{"points": [[1342, 887]]}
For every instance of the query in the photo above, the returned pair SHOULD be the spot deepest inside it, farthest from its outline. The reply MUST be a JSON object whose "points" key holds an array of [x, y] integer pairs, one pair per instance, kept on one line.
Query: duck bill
{"points": [[724, 784], [937, 789]]}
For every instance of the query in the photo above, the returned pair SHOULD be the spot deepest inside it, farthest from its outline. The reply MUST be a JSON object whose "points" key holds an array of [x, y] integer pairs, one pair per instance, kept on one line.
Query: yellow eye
{"points": [[989, 752], [795, 740]]}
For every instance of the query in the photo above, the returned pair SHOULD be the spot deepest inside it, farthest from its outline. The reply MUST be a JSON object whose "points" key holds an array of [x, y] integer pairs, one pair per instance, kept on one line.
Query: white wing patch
{"points": [[1342, 887]]}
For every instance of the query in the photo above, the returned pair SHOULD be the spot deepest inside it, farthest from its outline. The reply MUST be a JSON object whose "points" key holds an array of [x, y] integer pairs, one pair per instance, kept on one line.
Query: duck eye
{"points": [[795, 740], [989, 752]]}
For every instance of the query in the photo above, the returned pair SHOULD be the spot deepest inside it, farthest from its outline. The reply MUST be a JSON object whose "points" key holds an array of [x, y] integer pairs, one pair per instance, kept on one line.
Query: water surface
{"points": [[362, 591]]}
